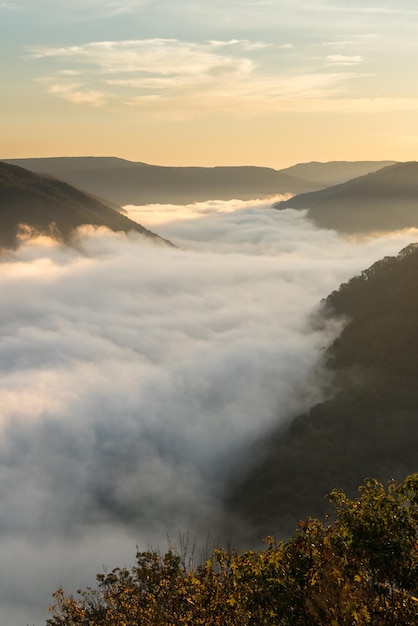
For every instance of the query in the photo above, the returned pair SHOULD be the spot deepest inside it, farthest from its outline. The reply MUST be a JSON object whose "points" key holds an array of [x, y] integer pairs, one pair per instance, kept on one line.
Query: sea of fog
{"points": [[134, 376]]}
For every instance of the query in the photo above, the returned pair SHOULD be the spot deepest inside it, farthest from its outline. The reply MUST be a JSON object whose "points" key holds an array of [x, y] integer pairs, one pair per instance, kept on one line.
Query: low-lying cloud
{"points": [[133, 376]]}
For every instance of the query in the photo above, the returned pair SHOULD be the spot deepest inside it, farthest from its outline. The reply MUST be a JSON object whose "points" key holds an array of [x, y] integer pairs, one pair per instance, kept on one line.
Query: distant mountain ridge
{"points": [[367, 427], [334, 172], [382, 201], [127, 182], [53, 207]]}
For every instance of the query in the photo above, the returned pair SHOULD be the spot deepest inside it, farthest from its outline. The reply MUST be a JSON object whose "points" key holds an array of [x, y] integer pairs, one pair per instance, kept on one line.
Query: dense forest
{"points": [[367, 423], [360, 569]]}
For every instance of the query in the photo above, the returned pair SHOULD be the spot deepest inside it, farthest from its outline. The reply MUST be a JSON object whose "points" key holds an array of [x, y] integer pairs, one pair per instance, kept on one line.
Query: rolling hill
{"points": [[334, 172], [368, 424], [127, 182], [382, 201], [52, 206]]}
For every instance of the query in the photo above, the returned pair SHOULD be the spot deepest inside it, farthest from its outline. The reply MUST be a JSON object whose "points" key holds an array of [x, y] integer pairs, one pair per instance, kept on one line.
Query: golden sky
{"points": [[210, 83]]}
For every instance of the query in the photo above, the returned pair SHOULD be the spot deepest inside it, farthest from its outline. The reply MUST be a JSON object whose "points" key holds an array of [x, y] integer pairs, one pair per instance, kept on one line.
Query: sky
{"points": [[136, 377], [191, 82]]}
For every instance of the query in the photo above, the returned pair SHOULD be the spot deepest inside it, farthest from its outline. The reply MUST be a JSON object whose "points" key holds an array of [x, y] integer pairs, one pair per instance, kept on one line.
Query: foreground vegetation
{"points": [[360, 568]]}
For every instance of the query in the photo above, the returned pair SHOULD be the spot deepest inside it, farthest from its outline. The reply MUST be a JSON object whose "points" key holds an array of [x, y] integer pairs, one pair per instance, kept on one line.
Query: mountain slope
{"points": [[382, 201], [334, 172], [368, 427], [126, 182], [51, 206]]}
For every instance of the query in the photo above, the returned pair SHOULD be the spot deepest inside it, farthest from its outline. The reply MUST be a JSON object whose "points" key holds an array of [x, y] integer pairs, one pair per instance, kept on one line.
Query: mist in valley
{"points": [[135, 378]]}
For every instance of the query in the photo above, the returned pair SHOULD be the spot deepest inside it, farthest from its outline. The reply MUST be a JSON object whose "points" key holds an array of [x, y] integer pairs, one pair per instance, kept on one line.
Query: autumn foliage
{"points": [[361, 568]]}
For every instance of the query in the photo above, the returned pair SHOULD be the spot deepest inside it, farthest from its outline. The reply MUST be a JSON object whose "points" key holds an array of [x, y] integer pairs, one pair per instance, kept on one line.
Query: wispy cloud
{"points": [[69, 73], [172, 79], [362, 41], [250, 96], [169, 77], [343, 59], [78, 94], [162, 56]]}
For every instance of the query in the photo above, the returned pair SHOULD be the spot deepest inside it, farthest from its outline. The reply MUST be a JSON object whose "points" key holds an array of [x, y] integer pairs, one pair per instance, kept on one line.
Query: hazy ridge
{"points": [[53, 207], [382, 201], [126, 182], [334, 172]]}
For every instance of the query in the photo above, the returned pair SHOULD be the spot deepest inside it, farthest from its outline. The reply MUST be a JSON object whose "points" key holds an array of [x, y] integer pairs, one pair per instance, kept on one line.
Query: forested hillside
{"points": [[382, 201], [53, 207], [368, 426]]}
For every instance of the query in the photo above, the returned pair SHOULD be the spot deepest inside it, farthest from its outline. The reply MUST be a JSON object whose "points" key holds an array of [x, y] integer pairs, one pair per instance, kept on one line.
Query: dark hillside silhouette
{"points": [[53, 207], [383, 201]]}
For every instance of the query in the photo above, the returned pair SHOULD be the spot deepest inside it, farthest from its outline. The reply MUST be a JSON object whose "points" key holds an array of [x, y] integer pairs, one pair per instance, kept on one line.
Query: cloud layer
{"points": [[169, 78], [178, 78], [133, 377]]}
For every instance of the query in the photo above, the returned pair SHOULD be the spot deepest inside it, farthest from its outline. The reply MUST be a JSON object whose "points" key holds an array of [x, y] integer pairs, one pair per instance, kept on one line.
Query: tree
{"points": [[360, 569]]}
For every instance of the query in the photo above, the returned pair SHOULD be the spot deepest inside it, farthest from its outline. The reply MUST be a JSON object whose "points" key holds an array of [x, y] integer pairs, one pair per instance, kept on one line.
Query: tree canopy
{"points": [[360, 568], [366, 424]]}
